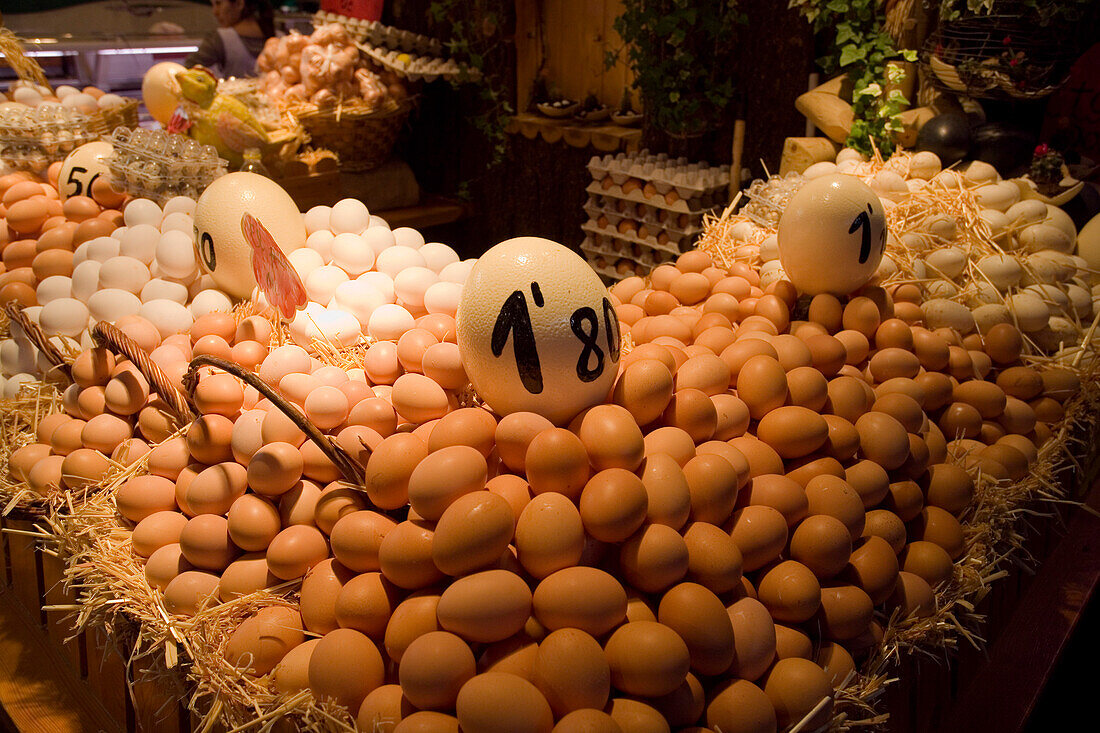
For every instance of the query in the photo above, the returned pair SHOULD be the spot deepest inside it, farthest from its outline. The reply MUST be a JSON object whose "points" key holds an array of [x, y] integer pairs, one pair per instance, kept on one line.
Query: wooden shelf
{"points": [[605, 138], [433, 211]]}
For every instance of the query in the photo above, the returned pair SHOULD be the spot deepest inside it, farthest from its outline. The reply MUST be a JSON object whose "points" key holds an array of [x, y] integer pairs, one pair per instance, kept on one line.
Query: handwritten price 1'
{"points": [[515, 319]]}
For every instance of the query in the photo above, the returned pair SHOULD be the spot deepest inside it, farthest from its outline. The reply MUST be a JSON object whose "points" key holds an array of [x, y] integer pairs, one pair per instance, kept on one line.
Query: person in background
{"points": [[243, 27]]}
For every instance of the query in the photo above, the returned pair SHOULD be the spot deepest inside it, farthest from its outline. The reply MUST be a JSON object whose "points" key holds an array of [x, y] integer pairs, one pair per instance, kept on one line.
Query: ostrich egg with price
{"points": [[832, 235], [82, 167], [222, 248], [537, 331]]}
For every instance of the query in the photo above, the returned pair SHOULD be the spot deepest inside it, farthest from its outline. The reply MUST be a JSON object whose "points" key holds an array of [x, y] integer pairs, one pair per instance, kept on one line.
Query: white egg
{"points": [[349, 216], [395, 259], [377, 221], [167, 316], [331, 376], [84, 102], [142, 211], [408, 237], [65, 90], [411, 283], [111, 304], [203, 283], [846, 154], [379, 239], [118, 232], [769, 248], [443, 297], [178, 220], [102, 249], [303, 328], [457, 272], [85, 280], [323, 281], [817, 170], [16, 382], [63, 317], [210, 300], [180, 204], [176, 254], [437, 256], [140, 242], [27, 96], [30, 312], [389, 321], [158, 289], [111, 101], [979, 172], [381, 282], [87, 341], [359, 299], [16, 357], [305, 260], [352, 254], [54, 287], [284, 360], [321, 242], [316, 219], [126, 273], [924, 164]]}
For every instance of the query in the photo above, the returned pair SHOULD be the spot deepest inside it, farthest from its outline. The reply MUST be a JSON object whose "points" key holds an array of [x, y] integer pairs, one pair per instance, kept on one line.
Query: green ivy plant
{"points": [[861, 48], [475, 40], [681, 53], [1043, 12]]}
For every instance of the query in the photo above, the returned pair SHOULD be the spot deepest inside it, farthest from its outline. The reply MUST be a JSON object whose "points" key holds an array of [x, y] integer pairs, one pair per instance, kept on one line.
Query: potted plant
{"points": [[681, 53]]}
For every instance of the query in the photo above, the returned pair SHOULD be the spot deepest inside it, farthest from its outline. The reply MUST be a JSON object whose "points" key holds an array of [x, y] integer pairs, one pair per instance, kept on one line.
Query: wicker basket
{"points": [[122, 116], [362, 139]]}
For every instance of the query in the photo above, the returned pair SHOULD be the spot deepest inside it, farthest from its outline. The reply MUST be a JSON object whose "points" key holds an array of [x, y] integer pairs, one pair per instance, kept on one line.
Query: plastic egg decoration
{"points": [[537, 331], [160, 91], [832, 235], [222, 249], [82, 167]]}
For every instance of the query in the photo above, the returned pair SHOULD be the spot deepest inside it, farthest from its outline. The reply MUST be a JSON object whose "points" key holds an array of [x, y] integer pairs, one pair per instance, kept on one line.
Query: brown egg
{"points": [[803, 470], [190, 591], [882, 439], [698, 617], [433, 669], [405, 555], [987, 398], [19, 292], [739, 706], [365, 603], [472, 533], [823, 544], [390, 467], [692, 411], [215, 489], [470, 426], [157, 530], [647, 658], [252, 520], [208, 437], [713, 484], [337, 652], [53, 262], [92, 229], [261, 641], [247, 574], [670, 441], [276, 427], [928, 560], [549, 534], [320, 588], [295, 550], [846, 612], [292, 673], [23, 459], [1003, 343], [164, 565], [827, 310], [141, 496], [795, 687], [580, 597], [874, 566], [105, 194], [27, 215], [500, 701], [206, 544], [556, 461], [913, 595], [778, 492], [793, 431], [169, 458], [83, 467], [486, 606], [447, 474], [66, 438], [760, 533], [45, 476], [336, 500], [807, 387], [654, 558], [861, 314], [936, 525], [790, 642], [762, 385], [572, 672], [412, 618], [611, 437], [790, 592]]}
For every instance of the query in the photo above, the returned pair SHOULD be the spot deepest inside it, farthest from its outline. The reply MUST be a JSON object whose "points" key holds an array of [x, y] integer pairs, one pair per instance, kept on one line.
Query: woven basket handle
{"points": [[114, 339], [348, 466], [39, 339]]}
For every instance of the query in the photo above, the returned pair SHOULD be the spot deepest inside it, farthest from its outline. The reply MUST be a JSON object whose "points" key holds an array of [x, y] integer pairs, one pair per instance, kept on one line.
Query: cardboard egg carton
{"points": [[380, 34], [689, 180], [416, 67], [678, 226], [636, 191], [157, 165], [610, 263]]}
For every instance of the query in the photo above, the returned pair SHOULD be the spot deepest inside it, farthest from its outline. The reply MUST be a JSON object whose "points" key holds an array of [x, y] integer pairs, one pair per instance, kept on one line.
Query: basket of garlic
{"points": [[336, 95]]}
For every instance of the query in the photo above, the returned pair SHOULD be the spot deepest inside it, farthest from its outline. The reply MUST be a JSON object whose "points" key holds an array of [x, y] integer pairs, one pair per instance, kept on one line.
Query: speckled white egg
{"points": [[175, 255], [443, 297], [320, 242], [832, 235], [209, 300], [111, 304], [352, 254], [389, 321], [167, 316], [317, 219], [323, 281], [349, 216], [158, 289], [125, 273], [381, 282], [54, 287], [63, 317], [142, 211]]}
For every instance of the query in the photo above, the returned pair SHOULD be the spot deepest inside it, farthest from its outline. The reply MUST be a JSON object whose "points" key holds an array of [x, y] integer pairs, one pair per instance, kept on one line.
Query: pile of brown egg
{"points": [[712, 549]]}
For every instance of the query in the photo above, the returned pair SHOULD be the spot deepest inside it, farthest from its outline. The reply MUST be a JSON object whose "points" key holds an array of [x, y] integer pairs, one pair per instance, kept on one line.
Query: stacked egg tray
{"points": [[33, 137], [157, 165], [411, 55], [645, 210]]}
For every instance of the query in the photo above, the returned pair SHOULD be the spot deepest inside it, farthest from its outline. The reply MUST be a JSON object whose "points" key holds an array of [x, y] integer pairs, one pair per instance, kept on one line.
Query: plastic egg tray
{"points": [[158, 165], [33, 137], [768, 199]]}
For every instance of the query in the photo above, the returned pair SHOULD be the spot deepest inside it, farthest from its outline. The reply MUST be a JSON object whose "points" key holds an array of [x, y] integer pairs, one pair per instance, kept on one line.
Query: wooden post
{"points": [[738, 154]]}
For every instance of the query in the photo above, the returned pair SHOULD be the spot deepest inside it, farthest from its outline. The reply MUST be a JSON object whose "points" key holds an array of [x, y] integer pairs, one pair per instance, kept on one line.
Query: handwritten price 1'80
{"points": [[515, 319]]}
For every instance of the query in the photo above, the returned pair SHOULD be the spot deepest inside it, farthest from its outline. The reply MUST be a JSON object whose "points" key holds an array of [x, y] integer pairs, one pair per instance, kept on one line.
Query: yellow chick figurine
{"points": [[215, 119]]}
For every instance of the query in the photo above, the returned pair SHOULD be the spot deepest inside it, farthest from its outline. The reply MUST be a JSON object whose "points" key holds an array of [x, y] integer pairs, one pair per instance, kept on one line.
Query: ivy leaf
{"points": [[909, 54], [851, 53]]}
